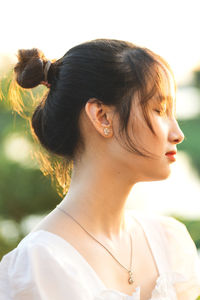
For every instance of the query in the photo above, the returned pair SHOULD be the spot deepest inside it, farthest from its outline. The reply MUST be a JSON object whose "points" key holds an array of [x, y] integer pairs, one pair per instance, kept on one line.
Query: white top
{"points": [[46, 267]]}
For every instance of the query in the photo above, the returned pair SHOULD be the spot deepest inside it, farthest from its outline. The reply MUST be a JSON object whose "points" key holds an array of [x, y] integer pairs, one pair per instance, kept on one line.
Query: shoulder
{"points": [[35, 248], [29, 251], [16, 267], [26, 271], [42, 266], [171, 227], [181, 253], [172, 233], [175, 231], [184, 257], [170, 224], [178, 238]]}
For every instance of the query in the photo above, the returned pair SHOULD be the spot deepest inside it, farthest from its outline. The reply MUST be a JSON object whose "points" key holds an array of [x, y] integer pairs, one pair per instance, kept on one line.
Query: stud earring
{"points": [[106, 131]]}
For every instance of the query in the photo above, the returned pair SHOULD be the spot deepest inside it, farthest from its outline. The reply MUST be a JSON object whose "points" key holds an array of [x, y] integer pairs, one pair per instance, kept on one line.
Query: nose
{"points": [[176, 135]]}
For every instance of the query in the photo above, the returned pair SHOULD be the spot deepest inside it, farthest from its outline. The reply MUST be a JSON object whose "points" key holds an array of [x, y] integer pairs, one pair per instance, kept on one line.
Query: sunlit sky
{"points": [[170, 28]]}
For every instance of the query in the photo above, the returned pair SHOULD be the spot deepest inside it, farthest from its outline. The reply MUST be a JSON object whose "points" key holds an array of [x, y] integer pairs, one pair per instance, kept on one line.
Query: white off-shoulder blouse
{"points": [[46, 267]]}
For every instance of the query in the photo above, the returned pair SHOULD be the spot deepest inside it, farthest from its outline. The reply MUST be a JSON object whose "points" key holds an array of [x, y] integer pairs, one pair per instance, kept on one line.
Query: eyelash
{"points": [[159, 111], [162, 111]]}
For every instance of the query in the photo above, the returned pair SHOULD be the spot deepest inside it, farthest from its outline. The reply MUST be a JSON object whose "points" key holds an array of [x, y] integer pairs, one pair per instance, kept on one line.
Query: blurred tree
{"points": [[18, 195], [24, 190], [191, 128], [196, 78], [193, 227], [191, 144]]}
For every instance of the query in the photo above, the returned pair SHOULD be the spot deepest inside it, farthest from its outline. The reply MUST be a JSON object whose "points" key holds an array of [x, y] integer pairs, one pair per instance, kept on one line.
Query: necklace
{"points": [[130, 271]]}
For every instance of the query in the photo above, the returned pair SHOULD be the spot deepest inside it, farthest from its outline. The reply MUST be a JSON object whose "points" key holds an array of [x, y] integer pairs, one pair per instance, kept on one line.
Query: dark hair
{"points": [[111, 71]]}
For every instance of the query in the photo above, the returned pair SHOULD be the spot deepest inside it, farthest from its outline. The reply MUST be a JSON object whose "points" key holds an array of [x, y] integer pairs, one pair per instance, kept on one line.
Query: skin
{"points": [[105, 172]]}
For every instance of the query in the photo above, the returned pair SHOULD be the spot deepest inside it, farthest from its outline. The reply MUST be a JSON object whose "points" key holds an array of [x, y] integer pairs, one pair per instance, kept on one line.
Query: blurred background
{"points": [[170, 28]]}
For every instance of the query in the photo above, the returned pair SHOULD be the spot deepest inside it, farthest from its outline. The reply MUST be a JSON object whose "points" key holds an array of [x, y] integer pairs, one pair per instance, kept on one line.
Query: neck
{"points": [[96, 199]]}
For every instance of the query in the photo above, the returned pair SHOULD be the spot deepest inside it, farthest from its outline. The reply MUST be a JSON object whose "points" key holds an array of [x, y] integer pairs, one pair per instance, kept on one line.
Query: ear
{"points": [[101, 116]]}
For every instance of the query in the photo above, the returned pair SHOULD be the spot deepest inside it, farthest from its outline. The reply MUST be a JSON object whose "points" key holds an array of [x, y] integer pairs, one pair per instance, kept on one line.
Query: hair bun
{"points": [[30, 68]]}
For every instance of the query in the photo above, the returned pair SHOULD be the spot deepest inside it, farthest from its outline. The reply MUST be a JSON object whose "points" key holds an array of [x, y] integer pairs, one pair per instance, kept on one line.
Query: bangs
{"points": [[166, 89], [159, 85]]}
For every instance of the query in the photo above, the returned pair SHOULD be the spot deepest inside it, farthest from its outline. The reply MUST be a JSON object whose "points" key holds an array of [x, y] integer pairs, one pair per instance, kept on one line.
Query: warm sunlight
{"points": [[82, 214], [56, 26]]}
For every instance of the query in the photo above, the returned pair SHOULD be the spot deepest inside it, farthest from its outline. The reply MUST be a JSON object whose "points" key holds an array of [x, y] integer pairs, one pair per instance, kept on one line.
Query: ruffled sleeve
{"points": [[183, 258], [32, 272]]}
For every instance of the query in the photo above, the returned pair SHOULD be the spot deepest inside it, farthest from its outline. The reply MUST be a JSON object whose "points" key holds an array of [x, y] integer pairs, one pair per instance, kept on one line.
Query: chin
{"points": [[162, 175]]}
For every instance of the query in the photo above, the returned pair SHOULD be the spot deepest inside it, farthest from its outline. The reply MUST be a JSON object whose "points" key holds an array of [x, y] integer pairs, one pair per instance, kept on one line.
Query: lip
{"points": [[171, 155]]}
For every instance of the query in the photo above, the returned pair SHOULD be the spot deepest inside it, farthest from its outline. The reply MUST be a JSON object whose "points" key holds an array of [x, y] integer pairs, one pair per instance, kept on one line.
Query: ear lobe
{"points": [[99, 115]]}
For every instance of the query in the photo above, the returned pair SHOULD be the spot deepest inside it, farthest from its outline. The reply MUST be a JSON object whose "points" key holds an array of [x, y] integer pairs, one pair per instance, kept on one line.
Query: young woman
{"points": [[110, 110]]}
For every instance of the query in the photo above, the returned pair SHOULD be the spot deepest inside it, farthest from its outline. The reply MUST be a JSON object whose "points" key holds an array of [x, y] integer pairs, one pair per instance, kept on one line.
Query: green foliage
{"points": [[193, 227], [191, 144], [24, 190], [191, 130], [196, 79], [5, 247], [18, 195]]}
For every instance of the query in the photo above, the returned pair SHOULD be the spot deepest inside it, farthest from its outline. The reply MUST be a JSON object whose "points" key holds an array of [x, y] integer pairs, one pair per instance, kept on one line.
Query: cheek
{"points": [[144, 138], [160, 126], [141, 134]]}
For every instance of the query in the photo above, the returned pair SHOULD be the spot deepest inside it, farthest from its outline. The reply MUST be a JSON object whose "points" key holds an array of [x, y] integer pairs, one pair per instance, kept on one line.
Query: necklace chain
{"points": [[130, 271]]}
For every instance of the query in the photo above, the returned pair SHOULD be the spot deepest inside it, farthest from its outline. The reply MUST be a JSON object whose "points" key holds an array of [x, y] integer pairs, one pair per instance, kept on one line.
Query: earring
{"points": [[106, 131]]}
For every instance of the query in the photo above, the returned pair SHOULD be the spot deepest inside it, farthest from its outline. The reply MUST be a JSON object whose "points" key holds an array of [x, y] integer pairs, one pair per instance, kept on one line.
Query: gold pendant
{"points": [[130, 280]]}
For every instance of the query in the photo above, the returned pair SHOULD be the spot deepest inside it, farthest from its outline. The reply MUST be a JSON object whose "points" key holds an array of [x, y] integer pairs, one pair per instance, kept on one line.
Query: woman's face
{"points": [[167, 135]]}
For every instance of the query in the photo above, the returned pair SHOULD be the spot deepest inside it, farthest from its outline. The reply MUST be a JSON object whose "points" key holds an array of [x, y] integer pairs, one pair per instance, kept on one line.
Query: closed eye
{"points": [[162, 109], [160, 112]]}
